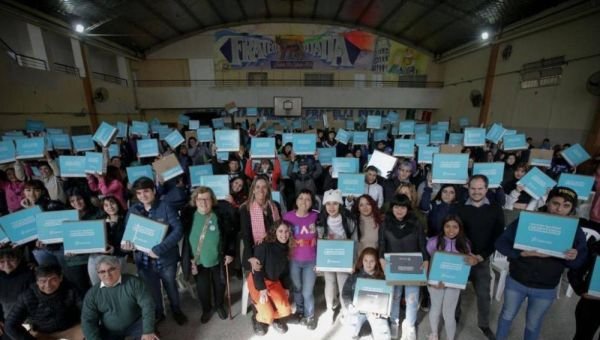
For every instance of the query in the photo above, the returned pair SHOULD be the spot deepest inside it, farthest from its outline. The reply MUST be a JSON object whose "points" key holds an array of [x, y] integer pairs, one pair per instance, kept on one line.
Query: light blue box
{"points": [[174, 139], [349, 125], [575, 155], [474, 137], [198, 171], [304, 143], [437, 137], [351, 184], [53, 131], [276, 197], [420, 128], [456, 138], [495, 133], [404, 269], [463, 122], [380, 135], [287, 138], [343, 136], [163, 131], [218, 183], [404, 148], [373, 296], [139, 128], [393, 117], [205, 134], [154, 122], [296, 124], [227, 140], [94, 163], [20, 226], [509, 132], [30, 148], [373, 122], [136, 172], [105, 134], [493, 171], [450, 168], [442, 126], [425, 154], [514, 142], [251, 112], [407, 127], [183, 119], [48, 141], [536, 183], [72, 166], [344, 165], [360, 138], [50, 226], [335, 256], [218, 123], [143, 232], [34, 125], [582, 185], [122, 130], [422, 139], [262, 147], [194, 124], [326, 155], [3, 237], [61, 141], [223, 156], [114, 151], [594, 287], [546, 233], [83, 143], [450, 269], [147, 148], [7, 152]]}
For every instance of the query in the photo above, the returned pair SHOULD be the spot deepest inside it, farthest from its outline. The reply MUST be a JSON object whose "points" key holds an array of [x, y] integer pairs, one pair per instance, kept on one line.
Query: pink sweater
{"points": [[114, 188], [304, 234], [14, 194]]}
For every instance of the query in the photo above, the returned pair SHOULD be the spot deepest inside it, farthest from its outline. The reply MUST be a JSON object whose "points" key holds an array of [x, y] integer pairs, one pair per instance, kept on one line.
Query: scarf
{"points": [[257, 220]]}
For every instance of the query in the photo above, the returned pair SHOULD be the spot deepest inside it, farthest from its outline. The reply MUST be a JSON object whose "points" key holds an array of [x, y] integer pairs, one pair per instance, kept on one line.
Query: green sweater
{"points": [[117, 307]]}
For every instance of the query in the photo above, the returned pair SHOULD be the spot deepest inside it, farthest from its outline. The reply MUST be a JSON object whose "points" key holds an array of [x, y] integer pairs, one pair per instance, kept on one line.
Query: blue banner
{"points": [[545, 233], [135, 172], [94, 163], [218, 183], [205, 135], [72, 166], [174, 139], [83, 143], [594, 287], [404, 269], [422, 139], [335, 256], [536, 183], [406, 127], [495, 133], [360, 138], [104, 134], [437, 137], [343, 136], [326, 155], [373, 296], [304, 143], [582, 185], [474, 137], [351, 184], [425, 154], [575, 155], [147, 148], [227, 140], [7, 152], [50, 226], [61, 141], [450, 168], [456, 138], [143, 232], [404, 148], [20, 226], [450, 269], [30, 148], [514, 142], [344, 165], [493, 171], [373, 122], [262, 147]]}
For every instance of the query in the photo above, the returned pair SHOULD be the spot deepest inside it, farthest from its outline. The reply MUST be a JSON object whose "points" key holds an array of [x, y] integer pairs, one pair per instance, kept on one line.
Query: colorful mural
{"points": [[333, 48]]}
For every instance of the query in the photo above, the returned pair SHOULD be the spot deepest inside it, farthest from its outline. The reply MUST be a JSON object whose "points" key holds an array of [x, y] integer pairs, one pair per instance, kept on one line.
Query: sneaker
{"points": [[296, 318], [328, 317], [408, 332], [310, 323], [222, 313], [180, 318], [259, 328], [394, 329], [280, 326], [488, 333], [206, 315]]}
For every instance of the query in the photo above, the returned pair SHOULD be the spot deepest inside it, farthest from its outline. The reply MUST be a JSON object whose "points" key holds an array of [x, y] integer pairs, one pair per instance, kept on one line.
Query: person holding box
{"points": [[534, 276], [367, 266]]}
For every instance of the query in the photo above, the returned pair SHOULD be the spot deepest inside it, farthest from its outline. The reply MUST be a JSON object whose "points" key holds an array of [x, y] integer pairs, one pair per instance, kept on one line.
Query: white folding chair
{"points": [[499, 263], [589, 233]]}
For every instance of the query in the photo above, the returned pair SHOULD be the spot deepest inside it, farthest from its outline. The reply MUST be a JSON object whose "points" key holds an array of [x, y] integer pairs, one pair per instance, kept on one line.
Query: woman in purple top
{"points": [[303, 257], [452, 239]]}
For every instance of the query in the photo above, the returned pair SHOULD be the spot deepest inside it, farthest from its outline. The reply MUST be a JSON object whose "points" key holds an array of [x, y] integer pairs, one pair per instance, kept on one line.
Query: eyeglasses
{"points": [[108, 271]]}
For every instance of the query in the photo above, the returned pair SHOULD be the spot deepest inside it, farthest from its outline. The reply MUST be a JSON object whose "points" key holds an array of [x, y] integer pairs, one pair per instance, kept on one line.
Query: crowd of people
{"points": [[271, 240]]}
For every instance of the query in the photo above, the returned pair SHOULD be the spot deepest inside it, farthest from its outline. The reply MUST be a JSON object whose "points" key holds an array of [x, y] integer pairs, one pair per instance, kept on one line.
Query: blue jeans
{"points": [[152, 277], [303, 278], [380, 329], [411, 295], [538, 303]]}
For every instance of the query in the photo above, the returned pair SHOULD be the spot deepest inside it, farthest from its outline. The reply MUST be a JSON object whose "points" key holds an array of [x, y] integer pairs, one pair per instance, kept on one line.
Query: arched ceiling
{"points": [[433, 26]]}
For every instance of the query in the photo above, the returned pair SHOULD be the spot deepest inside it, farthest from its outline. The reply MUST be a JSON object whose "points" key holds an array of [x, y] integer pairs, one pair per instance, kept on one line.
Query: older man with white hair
{"points": [[118, 306]]}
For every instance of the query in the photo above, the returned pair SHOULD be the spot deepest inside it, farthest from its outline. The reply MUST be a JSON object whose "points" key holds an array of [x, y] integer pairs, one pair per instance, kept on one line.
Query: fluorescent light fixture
{"points": [[485, 35], [79, 28]]}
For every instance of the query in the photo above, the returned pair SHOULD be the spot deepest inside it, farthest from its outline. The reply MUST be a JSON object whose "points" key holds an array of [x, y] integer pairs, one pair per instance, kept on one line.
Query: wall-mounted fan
{"points": [[593, 84], [101, 95]]}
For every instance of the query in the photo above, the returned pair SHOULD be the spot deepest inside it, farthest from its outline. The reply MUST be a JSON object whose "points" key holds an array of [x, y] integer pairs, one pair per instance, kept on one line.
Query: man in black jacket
{"points": [[484, 223], [15, 277], [51, 305]]}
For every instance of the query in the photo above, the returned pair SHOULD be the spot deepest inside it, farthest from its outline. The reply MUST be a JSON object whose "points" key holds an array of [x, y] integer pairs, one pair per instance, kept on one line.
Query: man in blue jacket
{"points": [[160, 264]]}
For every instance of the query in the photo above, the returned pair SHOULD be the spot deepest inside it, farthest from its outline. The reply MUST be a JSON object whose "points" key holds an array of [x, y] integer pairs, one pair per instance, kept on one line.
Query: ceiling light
{"points": [[485, 35], [79, 28]]}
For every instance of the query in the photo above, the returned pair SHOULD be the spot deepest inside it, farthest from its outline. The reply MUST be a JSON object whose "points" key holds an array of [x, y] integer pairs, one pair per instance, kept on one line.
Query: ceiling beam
{"points": [[241, 6], [160, 17], [190, 13], [314, 11], [364, 12], [140, 28], [391, 14], [420, 17], [100, 23], [216, 10], [339, 9], [267, 9]]}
